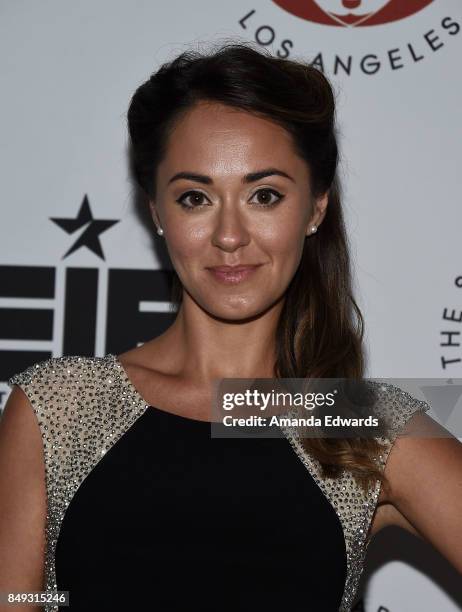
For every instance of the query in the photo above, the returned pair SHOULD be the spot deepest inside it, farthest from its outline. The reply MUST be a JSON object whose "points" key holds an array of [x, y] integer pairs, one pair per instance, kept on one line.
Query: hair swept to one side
{"points": [[320, 330]]}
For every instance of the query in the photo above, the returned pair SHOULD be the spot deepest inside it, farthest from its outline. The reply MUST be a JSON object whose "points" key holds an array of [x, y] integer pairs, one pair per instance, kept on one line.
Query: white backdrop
{"points": [[68, 72]]}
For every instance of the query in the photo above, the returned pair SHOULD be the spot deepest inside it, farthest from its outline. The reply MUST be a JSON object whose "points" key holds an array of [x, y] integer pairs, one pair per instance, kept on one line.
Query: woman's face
{"points": [[222, 215]]}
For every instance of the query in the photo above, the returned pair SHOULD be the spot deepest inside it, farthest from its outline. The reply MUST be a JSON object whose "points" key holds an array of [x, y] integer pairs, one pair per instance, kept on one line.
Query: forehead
{"points": [[212, 136]]}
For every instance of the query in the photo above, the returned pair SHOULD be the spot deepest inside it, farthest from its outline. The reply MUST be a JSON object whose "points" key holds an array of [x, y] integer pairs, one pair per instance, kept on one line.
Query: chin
{"points": [[235, 312], [237, 308], [230, 307]]}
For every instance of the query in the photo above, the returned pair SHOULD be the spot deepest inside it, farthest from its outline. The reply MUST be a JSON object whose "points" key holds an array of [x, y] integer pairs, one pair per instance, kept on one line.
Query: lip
{"points": [[233, 274], [235, 268]]}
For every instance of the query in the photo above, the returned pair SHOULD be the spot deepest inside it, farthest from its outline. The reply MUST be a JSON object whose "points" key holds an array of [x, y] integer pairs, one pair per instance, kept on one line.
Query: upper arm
{"points": [[425, 476], [22, 498]]}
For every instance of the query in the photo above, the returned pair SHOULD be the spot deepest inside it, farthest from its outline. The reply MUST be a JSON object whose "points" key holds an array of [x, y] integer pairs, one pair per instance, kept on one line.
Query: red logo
{"points": [[352, 13]]}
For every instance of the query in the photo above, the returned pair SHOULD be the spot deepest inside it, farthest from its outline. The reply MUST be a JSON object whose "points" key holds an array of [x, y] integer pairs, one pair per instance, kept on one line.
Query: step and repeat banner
{"points": [[81, 271]]}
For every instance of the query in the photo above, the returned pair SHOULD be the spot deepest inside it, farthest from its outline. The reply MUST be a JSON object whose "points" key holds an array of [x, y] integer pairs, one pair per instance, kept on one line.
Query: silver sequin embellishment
{"points": [[354, 506], [85, 404]]}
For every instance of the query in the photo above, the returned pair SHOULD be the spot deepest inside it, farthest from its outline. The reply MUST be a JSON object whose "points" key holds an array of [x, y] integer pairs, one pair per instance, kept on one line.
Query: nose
{"points": [[230, 231]]}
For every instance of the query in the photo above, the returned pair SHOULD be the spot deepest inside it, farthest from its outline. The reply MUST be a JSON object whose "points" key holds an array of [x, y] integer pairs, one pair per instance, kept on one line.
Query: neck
{"points": [[203, 347]]}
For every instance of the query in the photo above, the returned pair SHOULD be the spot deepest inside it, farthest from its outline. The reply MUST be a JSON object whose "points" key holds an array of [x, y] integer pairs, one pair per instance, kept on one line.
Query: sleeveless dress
{"points": [[145, 510]]}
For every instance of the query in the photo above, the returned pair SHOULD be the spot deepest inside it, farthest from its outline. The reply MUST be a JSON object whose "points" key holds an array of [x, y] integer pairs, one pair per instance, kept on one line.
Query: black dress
{"points": [[147, 511], [171, 519]]}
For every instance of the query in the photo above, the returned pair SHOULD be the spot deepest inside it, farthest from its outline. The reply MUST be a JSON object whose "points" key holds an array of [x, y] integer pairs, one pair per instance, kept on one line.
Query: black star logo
{"points": [[90, 237]]}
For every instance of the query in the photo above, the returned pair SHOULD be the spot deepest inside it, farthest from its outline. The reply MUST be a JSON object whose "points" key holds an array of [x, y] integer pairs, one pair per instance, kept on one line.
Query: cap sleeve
{"points": [[396, 407], [63, 393], [34, 382], [53, 388]]}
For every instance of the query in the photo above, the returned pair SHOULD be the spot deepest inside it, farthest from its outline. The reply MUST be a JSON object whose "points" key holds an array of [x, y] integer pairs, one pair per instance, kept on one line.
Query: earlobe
{"points": [[321, 206], [155, 217]]}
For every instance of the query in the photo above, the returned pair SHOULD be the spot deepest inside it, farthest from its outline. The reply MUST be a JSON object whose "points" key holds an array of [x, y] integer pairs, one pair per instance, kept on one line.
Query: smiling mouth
{"points": [[233, 274]]}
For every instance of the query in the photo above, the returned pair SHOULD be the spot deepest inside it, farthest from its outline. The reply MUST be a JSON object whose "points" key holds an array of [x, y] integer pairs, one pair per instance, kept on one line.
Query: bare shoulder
{"points": [[143, 368], [423, 453], [155, 372], [151, 357], [424, 471]]}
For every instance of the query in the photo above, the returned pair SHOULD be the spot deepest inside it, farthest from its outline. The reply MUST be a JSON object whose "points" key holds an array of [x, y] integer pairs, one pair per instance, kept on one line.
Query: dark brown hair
{"points": [[320, 331]]}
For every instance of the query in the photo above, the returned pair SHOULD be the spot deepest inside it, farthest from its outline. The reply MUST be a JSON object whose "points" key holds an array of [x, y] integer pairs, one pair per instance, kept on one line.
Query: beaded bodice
{"points": [[85, 404]]}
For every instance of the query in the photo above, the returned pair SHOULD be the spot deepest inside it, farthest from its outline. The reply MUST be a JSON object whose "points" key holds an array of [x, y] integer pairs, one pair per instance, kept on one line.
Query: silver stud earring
{"points": [[314, 229], [160, 231]]}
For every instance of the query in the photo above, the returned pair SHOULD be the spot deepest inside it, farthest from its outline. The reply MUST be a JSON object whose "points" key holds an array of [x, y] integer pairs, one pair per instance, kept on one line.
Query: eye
{"points": [[195, 202], [267, 194], [267, 198]]}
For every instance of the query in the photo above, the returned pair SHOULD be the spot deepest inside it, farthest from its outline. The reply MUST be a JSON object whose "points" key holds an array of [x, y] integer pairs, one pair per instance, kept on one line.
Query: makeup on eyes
{"points": [[273, 193]]}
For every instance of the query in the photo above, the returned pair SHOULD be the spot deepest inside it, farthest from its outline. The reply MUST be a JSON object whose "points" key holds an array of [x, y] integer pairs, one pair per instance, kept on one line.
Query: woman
{"points": [[237, 154]]}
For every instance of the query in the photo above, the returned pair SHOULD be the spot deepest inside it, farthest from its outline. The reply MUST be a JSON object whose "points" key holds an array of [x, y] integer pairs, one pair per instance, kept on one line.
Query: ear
{"points": [[319, 212], [154, 213]]}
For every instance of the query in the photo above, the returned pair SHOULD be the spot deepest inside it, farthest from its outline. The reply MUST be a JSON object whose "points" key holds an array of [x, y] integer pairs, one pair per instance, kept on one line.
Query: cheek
{"points": [[186, 243], [278, 241], [283, 242]]}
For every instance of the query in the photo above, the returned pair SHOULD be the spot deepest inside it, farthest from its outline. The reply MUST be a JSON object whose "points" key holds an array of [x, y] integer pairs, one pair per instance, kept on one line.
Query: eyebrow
{"points": [[248, 178]]}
